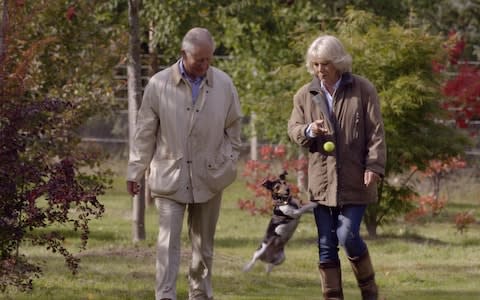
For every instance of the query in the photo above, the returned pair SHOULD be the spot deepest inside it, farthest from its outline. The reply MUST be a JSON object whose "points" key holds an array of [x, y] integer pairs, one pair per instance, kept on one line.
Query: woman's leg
{"points": [[326, 219], [348, 230]]}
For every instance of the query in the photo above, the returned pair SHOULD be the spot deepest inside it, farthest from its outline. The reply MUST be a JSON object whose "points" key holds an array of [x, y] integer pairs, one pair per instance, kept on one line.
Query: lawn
{"points": [[426, 260]]}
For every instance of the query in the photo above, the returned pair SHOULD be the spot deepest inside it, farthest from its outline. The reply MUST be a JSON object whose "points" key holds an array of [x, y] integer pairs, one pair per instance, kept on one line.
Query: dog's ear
{"points": [[268, 184], [283, 176]]}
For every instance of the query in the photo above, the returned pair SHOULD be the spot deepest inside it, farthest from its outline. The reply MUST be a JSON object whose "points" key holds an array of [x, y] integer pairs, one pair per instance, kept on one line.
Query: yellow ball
{"points": [[329, 146]]}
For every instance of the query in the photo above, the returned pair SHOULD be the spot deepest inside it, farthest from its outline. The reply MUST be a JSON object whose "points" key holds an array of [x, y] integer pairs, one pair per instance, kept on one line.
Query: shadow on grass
{"points": [[232, 242], [461, 268], [104, 236], [409, 238], [418, 239], [61, 293], [404, 294]]}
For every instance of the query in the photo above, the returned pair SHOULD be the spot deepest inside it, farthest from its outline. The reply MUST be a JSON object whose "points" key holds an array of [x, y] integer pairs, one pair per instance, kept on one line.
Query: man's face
{"points": [[197, 61]]}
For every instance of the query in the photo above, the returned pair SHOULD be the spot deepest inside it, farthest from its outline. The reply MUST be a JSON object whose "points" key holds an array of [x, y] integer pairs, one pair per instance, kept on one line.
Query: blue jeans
{"points": [[339, 226]]}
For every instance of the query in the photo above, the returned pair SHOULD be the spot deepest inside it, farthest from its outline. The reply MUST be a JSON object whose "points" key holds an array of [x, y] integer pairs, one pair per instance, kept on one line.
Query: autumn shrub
{"points": [[432, 203], [463, 220], [425, 206]]}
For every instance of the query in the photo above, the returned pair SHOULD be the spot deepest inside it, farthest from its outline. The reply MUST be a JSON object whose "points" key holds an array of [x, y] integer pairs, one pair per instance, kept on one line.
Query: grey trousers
{"points": [[202, 221]]}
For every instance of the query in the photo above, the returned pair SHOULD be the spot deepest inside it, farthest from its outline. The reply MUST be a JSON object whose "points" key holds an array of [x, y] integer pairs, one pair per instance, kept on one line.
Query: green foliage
{"points": [[78, 62], [169, 20], [398, 61]]}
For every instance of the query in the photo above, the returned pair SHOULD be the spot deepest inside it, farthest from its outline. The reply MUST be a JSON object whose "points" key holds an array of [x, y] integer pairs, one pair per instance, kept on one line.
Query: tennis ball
{"points": [[329, 146]]}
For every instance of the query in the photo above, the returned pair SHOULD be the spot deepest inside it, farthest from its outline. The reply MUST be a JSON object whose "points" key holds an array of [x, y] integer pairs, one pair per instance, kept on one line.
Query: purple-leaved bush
{"points": [[47, 177]]}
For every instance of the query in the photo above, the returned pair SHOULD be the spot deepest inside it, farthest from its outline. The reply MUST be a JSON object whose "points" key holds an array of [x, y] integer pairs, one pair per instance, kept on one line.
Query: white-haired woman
{"points": [[341, 108]]}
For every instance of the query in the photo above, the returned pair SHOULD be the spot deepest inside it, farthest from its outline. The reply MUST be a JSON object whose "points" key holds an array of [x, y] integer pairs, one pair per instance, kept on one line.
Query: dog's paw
{"points": [[290, 211], [268, 268], [248, 266], [308, 207]]}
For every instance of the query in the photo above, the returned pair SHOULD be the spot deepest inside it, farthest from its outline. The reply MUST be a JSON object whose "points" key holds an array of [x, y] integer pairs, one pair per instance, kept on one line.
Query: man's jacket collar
{"points": [[177, 76]]}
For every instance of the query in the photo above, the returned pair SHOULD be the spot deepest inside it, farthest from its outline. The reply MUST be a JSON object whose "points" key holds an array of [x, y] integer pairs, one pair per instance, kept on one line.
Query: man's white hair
{"points": [[197, 37]]}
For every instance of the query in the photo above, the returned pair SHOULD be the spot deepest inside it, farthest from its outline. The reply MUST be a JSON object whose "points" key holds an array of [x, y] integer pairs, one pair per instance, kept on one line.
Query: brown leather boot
{"points": [[331, 276], [363, 270]]}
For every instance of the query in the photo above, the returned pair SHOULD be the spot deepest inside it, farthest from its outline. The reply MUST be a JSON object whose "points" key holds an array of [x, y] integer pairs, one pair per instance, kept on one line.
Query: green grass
{"points": [[429, 260]]}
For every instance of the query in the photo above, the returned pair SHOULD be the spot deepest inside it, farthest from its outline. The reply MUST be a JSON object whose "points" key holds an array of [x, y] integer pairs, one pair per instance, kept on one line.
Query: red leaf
{"points": [[461, 123], [70, 14]]}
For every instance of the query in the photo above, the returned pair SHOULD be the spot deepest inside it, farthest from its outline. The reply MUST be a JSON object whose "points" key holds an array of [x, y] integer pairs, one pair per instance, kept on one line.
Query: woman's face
{"points": [[325, 71]]}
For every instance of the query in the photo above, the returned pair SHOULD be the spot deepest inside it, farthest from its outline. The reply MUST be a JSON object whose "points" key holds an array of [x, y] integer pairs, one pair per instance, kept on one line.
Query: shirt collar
{"points": [[335, 86]]}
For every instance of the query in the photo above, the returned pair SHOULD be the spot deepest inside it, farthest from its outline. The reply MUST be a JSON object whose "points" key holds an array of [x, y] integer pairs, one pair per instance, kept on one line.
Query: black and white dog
{"points": [[285, 218]]}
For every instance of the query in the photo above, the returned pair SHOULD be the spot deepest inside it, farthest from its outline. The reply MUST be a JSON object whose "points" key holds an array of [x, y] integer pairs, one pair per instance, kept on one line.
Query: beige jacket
{"points": [[356, 128], [190, 148]]}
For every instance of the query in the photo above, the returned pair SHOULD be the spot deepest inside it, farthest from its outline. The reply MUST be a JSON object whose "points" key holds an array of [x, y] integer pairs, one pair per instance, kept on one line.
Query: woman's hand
{"points": [[318, 127], [370, 177]]}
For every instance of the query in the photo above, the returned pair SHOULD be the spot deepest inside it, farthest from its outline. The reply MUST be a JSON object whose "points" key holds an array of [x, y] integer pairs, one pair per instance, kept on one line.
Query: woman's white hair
{"points": [[329, 49], [197, 37]]}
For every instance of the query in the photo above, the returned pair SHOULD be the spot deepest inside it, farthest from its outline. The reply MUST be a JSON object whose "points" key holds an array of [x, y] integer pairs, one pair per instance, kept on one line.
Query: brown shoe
{"points": [[331, 276], [363, 270]]}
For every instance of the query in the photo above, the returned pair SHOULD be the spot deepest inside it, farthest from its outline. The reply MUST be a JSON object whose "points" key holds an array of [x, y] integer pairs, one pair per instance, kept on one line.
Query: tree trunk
{"points": [[436, 194], [153, 53], [3, 34], [134, 101], [371, 217], [138, 214], [371, 229], [253, 138], [153, 67]]}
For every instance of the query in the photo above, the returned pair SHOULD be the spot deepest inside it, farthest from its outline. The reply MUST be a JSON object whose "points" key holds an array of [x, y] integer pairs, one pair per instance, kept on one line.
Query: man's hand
{"points": [[133, 188], [370, 177]]}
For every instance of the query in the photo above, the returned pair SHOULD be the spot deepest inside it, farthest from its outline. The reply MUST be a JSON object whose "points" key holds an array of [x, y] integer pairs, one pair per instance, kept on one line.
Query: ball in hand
{"points": [[329, 146]]}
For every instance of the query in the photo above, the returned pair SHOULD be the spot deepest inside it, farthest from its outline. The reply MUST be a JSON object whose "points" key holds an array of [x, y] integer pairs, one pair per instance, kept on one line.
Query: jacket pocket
{"points": [[221, 169], [165, 176], [356, 126], [353, 133]]}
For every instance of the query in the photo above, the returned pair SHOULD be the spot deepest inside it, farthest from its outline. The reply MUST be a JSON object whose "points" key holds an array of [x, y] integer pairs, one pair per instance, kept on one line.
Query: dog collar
{"points": [[282, 200]]}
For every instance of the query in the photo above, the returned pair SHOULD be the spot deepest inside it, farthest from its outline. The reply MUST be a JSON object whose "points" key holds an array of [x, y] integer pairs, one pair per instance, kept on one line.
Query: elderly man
{"points": [[188, 134]]}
